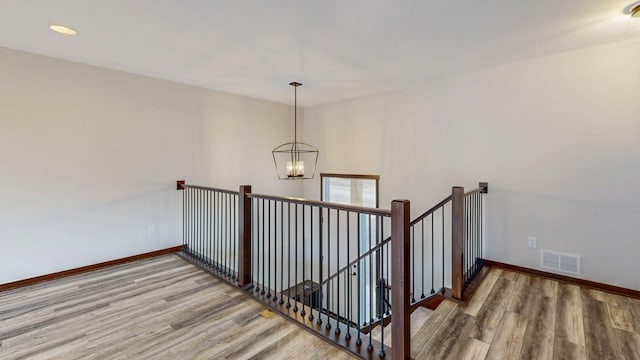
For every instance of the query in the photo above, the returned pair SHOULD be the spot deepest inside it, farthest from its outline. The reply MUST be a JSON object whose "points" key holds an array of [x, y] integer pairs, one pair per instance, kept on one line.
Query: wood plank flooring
{"points": [[166, 308], [518, 316], [160, 308]]}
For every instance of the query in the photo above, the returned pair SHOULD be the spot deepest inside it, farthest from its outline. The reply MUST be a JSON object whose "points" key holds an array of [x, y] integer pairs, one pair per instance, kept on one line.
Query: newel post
{"points": [[244, 236], [457, 241], [400, 280]]}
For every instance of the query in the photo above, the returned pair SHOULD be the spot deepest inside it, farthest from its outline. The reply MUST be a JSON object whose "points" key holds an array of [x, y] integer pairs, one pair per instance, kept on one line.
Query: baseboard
{"points": [[567, 279], [83, 269]]}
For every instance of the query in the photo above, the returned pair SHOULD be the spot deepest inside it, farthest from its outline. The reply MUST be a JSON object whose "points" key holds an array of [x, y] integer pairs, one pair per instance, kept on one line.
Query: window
{"points": [[357, 190]]}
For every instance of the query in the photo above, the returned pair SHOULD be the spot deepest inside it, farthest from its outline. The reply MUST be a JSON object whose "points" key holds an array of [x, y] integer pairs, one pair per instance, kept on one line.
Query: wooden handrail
{"points": [[432, 210], [198, 187], [324, 204], [483, 188], [359, 258]]}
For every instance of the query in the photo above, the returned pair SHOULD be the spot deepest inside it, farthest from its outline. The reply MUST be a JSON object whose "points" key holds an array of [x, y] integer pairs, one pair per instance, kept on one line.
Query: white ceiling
{"points": [[337, 48]]}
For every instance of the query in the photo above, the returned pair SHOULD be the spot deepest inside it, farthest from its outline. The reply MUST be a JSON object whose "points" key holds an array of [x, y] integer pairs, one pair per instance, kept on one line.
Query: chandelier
{"points": [[290, 158]]}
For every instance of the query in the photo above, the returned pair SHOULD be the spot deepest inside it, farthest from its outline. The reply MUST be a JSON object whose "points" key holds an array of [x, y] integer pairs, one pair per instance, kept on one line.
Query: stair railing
{"points": [[302, 266], [210, 229], [323, 264]]}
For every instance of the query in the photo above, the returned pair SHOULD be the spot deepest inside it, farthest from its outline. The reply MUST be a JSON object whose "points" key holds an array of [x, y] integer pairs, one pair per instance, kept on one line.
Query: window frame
{"points": [[351, 176]]}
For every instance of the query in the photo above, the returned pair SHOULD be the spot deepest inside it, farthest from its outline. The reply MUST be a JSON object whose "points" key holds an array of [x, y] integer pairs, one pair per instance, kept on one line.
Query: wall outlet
{"points": [[151, 230], [532, 242]]}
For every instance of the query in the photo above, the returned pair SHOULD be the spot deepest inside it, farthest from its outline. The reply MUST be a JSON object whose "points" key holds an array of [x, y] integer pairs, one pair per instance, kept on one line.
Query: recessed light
{"points": [[63, 30]]}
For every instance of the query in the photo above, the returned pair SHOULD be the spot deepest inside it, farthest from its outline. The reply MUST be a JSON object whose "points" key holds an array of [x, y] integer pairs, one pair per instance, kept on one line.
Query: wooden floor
{"points": [[160, 308], [166, 308], [517, 316]]}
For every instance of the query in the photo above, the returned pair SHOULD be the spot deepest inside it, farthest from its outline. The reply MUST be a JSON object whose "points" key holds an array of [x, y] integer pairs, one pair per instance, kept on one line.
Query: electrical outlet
{"points": [[151, 230], [533, 242]]}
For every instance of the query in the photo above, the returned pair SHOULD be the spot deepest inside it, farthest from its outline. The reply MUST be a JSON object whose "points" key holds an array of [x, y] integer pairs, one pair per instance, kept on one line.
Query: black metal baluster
{"points": [[381, 354], [229, 231], [274, 250], [289, 255], [465, 238], [358, 332], [328, 326], [295, 304], [264, 250], [481, 225], [422, 257], [253, 245], [205, 227], [472, 205], [212, 230], [184, 216], [337, 331], [320, 264], [220, 235], [433, 291], [190, 221], [196, 245], [387, 254], [228, 252], [474, 223], [470, 238], [268, 251], [187, 224], [442, 290], [347, 282], [281, 252], [372, 286], [478, 222], [471, 232], [202, 227], [196, 223], [216, 230], [212, 227], [413, 263], [311, 262], [255, 241], [235, 239], [304, 240], [225, 229], [208, 237]]}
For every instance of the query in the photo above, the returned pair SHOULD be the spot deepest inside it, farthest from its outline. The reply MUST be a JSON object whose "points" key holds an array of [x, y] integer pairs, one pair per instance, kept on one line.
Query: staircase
{"points": [[419, 318], [424, 324], [357, 277]]}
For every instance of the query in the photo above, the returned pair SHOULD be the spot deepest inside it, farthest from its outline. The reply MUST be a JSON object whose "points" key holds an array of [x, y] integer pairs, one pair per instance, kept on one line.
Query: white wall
{"points": [[89, 158], [557, 138]]}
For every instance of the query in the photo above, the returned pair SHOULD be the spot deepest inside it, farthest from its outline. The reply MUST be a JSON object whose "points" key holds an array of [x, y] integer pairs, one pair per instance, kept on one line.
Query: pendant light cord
{"points": [[295, 116]]}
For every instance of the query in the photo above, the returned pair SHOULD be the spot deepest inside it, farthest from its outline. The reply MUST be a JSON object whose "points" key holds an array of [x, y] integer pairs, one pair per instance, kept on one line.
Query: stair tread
{"points": [[418, 318], [429, 328]]}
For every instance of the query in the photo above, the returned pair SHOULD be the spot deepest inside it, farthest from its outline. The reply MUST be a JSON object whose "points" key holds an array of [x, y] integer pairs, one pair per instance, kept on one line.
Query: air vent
{"points": [[568, 263]]}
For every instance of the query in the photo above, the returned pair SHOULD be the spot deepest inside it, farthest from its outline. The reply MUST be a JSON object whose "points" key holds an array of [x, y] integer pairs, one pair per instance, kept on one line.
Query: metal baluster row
{"points": [[210, 229], [428, 238], [298, 250], [473, 204]]}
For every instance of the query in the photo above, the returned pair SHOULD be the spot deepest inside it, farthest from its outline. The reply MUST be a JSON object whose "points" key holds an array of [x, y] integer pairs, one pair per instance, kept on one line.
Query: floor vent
{"points": [[568, 263]]}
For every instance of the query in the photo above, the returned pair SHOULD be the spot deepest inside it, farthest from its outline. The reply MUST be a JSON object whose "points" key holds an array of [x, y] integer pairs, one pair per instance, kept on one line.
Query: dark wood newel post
{"points": [[400, 280], [457, 241], [244, 236]]}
